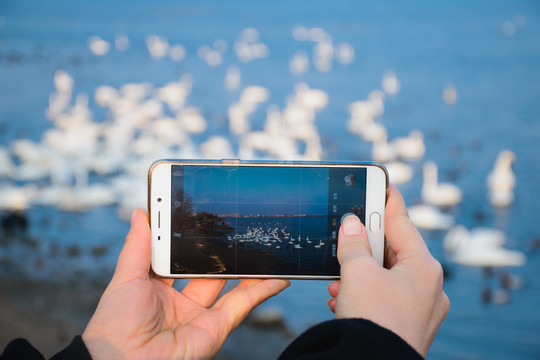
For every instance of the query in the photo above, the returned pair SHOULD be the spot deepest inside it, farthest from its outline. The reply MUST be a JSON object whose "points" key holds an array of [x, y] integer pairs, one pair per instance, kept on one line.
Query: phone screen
{"points": [[253, 220]]}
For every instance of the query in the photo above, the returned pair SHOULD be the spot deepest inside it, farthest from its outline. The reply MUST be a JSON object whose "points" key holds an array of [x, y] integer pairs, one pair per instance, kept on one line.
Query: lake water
{"points": [[489, 51]]}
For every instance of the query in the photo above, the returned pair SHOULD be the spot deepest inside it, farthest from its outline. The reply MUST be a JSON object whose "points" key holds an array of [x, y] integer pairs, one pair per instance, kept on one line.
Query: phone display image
{"points": [[251, 220]]}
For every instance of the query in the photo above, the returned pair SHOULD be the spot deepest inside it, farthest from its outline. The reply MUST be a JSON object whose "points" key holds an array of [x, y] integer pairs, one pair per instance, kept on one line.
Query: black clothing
{"points": [[21, 349], [334, 339], [349, 339]]}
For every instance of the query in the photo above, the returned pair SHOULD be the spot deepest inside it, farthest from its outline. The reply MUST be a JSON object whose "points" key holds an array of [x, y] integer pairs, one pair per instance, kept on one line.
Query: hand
{"points": [[406, 298], [142, 316]]}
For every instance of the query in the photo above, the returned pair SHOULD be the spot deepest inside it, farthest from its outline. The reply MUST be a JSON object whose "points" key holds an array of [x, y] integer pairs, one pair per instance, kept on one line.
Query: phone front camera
{"points": [[159, 199], [350, 180]]}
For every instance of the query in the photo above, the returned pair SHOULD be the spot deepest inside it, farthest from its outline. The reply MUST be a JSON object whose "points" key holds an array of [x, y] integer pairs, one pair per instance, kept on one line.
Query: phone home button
{"points": [[374, 222]]}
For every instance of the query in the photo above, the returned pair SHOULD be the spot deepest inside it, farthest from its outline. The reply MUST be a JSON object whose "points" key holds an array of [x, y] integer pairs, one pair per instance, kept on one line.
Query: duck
{"points": [[482, 247], [438, 194]]}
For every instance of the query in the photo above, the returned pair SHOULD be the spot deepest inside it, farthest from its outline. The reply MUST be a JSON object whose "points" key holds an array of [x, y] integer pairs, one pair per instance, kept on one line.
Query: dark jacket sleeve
{"points": [[22, 349], [349, 339]]}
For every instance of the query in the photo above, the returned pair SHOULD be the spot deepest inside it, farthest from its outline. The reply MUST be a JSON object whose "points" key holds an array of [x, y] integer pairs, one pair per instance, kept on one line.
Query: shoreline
{"points": [[49, 314]]}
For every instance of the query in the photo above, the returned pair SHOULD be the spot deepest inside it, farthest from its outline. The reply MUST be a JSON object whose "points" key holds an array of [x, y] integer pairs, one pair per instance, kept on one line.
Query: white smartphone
{"points": [[253, 219]]}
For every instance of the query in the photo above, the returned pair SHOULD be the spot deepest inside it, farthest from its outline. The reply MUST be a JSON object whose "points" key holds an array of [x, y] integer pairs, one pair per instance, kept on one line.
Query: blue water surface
{"points": [[427, 44]]}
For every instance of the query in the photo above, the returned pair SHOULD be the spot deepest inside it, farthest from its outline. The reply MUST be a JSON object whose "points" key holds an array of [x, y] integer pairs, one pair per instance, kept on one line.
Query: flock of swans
{"points": [[274, 238], [80, 163], [481, 247]]}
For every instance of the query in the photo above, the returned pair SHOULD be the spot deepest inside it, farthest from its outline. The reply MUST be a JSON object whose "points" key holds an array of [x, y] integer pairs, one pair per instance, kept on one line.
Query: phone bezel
{"points": [[159, 186]]}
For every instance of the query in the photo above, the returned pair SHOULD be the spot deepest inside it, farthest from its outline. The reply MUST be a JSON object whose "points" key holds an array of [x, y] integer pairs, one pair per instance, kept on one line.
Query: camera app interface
{"points": [[261, 220]]}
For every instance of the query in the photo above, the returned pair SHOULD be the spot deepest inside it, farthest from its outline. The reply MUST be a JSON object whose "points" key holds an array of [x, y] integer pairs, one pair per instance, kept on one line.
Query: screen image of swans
{"points": [[280, 245], [297, 245]]}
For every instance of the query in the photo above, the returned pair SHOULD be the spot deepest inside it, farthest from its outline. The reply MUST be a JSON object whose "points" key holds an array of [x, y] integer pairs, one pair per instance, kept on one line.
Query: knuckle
{"points": [[432, 275], [354, 248], [446, 303], [434, 269]]}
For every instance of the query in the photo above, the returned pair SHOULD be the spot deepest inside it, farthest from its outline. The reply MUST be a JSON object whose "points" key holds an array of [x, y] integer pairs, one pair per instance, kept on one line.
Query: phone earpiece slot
{"points": [[159, 219]]}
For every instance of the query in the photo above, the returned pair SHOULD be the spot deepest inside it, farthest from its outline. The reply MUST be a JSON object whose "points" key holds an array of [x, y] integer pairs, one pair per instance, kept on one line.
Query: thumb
{"points": [[353, 243], [135, 257]]}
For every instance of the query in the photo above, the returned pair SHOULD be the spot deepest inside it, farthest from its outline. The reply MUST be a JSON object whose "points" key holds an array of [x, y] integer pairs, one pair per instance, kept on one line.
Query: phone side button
{"points": [[375, 222], [230, 161]]}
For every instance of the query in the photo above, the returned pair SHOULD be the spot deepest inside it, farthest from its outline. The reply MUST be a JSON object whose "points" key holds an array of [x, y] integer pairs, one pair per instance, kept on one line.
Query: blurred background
{"points": [[446, 95]]}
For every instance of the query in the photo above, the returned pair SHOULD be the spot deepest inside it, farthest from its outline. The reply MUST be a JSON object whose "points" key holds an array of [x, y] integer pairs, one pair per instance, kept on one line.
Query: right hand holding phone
{"points": [[407, 297]]}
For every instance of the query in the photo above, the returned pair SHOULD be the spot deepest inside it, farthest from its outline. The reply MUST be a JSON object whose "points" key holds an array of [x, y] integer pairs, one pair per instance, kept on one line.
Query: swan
{"points": [[501, 180], [374, 131], [390, 83], [399, 172], [480, 247], [410, 147], [158, 46], [15, 198], [6, 164], [429, 217], [383, 151], [314, 99], [63, 82], [438, 194], [98, 46], [76, 198], [233, 78], [215, 147]]}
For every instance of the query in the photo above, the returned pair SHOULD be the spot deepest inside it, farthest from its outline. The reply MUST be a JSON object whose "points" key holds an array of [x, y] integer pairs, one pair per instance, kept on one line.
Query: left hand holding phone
{"points": [[142, 316]]}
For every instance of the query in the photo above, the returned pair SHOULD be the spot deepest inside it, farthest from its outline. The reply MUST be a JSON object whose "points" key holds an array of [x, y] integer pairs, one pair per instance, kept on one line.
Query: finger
{"points": [[168, 282], [135, 257], [204, 291], [352, 240], [333, 288], [238, 302], [401, 235], [390, 258], [247, 282], [332, 304]]}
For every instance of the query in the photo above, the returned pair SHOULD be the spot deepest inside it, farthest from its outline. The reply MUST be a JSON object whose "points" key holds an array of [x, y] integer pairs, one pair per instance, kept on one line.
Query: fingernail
{"points": [[133, 216], [351, 225], [346, 215]]}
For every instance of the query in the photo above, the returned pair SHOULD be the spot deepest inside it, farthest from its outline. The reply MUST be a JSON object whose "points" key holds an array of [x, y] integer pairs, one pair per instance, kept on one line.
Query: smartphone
{"points": [[254, 219]]}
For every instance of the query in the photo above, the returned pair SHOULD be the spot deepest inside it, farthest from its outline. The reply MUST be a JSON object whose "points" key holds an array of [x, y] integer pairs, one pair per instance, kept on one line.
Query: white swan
{"points": [[374, 131], [76, 198], [6, 163], [15, 198], [438, 194], [399, 172], [383, 151], [429, 217], [501, 180], [410, 147], [480, 247]]}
